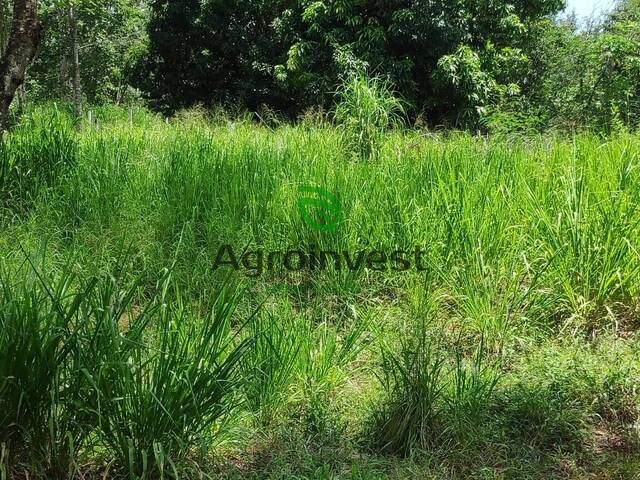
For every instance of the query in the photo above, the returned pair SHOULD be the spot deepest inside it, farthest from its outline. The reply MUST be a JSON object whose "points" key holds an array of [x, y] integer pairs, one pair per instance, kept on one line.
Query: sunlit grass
{"points": [[525, 241]]}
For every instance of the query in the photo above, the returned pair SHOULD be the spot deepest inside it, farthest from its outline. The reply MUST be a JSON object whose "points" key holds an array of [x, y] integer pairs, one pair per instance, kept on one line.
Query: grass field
{"points": [[509, 351]]}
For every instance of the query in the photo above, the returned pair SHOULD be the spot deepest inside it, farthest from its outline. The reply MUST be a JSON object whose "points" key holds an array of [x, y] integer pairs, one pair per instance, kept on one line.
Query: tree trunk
{"points": [[20, 51], [64, 75], [5, 24], [75, 61]]}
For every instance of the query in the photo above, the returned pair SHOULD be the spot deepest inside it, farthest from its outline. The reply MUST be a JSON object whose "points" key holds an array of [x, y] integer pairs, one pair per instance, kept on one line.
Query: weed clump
{"points": [[366, 107]]}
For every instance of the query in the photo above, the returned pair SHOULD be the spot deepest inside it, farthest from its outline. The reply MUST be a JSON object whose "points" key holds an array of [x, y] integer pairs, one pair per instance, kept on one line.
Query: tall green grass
{"points": [[365, 108], [524, 241], [42, 382], [42, 151], [90, 363]]}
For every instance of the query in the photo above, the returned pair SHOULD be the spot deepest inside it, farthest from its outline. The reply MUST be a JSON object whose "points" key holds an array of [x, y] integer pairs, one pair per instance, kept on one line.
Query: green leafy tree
{"points": [[219, 51], [111, 38], [587, 77], [448, 59]]}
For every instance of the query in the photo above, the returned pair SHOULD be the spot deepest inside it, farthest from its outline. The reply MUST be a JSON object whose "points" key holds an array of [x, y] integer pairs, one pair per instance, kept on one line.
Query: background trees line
{"points": [[498, 64]]}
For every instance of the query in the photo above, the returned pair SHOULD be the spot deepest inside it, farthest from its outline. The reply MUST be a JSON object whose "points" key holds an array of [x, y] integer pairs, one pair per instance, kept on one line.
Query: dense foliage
{"points": [[111, 36], [590, 76], [447, 59], [217, 51], [493, 65]]}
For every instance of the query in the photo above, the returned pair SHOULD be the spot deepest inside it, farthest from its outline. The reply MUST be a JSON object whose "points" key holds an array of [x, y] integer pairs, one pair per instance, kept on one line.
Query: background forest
{"points": [[487, 64]]}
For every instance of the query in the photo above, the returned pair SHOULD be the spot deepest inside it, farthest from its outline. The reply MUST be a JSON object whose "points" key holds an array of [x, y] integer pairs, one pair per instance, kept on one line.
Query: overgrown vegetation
{"points": [[319, 239], [365, 109], [507, 350]]}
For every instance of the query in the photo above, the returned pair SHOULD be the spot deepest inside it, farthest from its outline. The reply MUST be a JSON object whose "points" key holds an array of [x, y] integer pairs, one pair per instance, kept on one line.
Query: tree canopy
{"points": [[448, 59], [464, 63]]}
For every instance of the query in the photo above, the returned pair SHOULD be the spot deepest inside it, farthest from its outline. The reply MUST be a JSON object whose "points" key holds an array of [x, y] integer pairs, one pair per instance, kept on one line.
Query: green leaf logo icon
{"points": [[319, 209]]}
